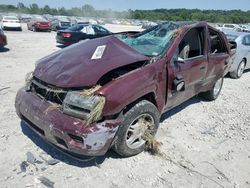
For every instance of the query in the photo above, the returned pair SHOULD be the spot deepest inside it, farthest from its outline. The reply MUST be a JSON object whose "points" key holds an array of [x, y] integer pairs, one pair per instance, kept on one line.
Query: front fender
{"points": [[128, 88]]}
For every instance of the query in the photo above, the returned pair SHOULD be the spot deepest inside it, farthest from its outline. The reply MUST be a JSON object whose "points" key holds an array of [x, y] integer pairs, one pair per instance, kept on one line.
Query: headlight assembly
{"points": [[87, 107]]}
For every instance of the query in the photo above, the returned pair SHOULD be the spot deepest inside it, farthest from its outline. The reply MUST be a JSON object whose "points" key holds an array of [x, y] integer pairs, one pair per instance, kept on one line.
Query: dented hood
{"points": [[83, 64]]}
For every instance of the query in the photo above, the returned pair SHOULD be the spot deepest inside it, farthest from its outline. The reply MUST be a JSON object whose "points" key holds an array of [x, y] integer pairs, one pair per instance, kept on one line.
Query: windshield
{"points": [[76, 27], [154, 41]]}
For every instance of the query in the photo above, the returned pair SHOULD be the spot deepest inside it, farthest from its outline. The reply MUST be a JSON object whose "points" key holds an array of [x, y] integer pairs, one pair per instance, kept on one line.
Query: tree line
{"points": [[216, 16]]}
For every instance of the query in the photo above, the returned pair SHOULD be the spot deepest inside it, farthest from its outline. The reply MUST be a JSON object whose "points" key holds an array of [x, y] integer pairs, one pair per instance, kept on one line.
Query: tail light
{"points": [[67, 35]]}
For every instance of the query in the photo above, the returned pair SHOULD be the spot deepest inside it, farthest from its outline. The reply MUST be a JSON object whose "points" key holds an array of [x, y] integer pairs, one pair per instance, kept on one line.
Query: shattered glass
{"points": [[153, 42]]}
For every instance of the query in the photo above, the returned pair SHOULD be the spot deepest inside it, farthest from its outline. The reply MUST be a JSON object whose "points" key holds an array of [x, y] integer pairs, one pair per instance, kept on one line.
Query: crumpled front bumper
{"points": [[65, 131]]}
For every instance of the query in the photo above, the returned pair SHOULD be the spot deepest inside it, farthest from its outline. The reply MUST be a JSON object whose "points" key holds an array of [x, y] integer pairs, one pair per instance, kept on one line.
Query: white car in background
{"points": [[241, 60], [11, 22]]}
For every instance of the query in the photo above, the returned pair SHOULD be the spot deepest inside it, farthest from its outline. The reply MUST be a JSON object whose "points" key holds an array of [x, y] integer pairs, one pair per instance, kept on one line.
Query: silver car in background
{"points": [[241, 60]]}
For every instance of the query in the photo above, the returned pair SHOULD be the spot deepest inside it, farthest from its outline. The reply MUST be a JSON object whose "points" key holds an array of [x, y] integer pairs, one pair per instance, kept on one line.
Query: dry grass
{"points": [[152, 145], [52, 107], [177, 32], [90, 91], [96, 113], [28, 78]]}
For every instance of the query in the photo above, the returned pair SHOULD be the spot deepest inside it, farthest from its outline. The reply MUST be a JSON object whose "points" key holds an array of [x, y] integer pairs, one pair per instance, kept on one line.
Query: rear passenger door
{"points": [[218, 55]]}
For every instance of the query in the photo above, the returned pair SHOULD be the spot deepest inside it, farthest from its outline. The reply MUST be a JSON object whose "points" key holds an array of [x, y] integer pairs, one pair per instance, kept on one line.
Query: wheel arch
{"points": [[245, 59], [150, 97]]}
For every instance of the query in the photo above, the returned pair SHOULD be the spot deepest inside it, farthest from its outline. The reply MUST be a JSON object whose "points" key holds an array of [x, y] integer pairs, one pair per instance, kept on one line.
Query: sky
{"points": [[140, 4]]}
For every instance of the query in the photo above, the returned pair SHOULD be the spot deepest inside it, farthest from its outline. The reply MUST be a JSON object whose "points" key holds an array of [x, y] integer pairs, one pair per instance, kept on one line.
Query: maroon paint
{"points": [[56, 124], [3, 40], [73, 67]]}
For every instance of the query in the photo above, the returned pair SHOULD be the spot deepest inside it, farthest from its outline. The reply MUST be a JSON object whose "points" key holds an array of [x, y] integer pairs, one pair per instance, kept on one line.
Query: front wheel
{"points": [[240, 70], [140, 122], [214, 92]]}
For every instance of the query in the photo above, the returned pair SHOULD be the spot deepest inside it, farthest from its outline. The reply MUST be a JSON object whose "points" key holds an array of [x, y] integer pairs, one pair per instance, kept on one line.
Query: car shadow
{"points": [[4, 49], [64, 156], [182, 106], [13, 29], [246, 71]]}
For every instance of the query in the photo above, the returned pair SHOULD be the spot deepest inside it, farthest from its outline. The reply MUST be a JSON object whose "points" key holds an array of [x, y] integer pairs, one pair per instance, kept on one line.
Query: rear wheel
{"points": [[214, 92], [142, 119]]}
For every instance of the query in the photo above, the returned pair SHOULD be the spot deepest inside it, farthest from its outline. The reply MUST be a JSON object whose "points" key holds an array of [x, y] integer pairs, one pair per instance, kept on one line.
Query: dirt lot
{"points": [[205, 144]]}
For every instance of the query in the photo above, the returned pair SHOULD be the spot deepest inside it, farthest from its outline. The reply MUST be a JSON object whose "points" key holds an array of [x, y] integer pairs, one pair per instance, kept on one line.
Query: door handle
{"points": [[202, 67]]}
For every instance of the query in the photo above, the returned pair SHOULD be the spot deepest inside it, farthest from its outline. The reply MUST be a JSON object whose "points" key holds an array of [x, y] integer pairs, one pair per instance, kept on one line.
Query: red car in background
{"points": [[38, 23], [3, 39]]}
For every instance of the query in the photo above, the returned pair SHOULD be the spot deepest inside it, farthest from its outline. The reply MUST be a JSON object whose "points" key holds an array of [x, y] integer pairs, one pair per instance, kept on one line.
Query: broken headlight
{"points": [[80, 105]]}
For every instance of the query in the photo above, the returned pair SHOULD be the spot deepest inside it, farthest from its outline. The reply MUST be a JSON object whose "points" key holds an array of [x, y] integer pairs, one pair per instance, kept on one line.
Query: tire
{"points": [[142, 117], [240, 69], [214, 92], [34, 29]]}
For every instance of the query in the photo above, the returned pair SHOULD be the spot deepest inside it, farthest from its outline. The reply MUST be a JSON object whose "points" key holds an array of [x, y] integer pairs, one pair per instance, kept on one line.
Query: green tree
{"points": [[34, 9]]}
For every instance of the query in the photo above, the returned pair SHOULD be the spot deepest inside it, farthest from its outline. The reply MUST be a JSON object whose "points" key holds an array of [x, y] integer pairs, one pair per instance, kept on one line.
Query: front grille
{"points": [[47, 92]]}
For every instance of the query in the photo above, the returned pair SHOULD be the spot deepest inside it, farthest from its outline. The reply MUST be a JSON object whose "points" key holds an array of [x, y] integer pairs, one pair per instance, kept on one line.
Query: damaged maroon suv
{"points": [[110, 92]]}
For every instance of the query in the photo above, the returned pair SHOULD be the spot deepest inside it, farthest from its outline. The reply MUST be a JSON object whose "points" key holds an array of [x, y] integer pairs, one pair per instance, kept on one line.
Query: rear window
{"points": [[229, 26], [65, 24], [77, 27], [217, 45], [10, 18], [231, 37]]}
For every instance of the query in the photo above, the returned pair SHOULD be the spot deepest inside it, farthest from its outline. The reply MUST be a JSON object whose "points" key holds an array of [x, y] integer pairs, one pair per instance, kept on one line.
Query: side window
{"points": [[246, 40], [192, 44], [100, 30], [88, 30], [216, 44]]}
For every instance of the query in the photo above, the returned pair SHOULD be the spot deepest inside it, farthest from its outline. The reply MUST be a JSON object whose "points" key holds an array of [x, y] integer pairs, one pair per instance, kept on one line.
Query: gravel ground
{"points": [[204, 144]]}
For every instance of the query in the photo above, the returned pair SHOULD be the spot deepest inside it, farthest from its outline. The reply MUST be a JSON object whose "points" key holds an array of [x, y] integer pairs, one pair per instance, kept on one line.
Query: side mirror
{"points": [[232, 45]]}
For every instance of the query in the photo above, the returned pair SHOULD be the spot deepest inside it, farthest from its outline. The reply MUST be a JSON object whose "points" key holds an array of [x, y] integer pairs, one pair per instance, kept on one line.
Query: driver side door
{"points": [[189, 65]]}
